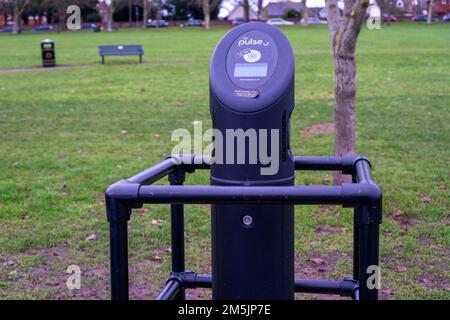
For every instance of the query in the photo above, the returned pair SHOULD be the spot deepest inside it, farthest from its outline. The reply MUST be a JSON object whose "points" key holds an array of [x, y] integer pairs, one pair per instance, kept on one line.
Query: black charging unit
{"points": [[251, 101], [252, 95]]}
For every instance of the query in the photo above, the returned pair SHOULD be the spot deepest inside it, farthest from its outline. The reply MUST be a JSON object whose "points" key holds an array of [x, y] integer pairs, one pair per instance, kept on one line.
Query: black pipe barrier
{"points": [[346, 287], [363, 195]]}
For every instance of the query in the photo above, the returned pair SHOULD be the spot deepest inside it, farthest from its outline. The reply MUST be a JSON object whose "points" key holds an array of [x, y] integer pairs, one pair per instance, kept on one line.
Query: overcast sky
{"points": [[227, 5]]}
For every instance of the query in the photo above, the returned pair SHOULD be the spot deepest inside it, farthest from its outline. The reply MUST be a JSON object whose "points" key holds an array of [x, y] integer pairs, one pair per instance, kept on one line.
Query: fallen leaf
{"points": [[157, 222], [388, 291], [443, 187], [326, 180], [425, 198], [65, 193], [24, 216], [92, 237], [400, 269], [9, 263], [102, 203], [317, 260], [397, 214], [123, 132], [142, 211], [12, 273], [156, 258], [326, 230], [168, 249]]}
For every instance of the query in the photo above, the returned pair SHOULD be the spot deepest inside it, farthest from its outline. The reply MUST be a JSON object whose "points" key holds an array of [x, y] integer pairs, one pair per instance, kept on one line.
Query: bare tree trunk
{"points": [[304, 13], [430, 11], [109, 18], [145, 14], [344, 108], [344, 29], [246, 6], [16, 18], [60, 21], [130, 17], [260, 7], [206, 13], [158, 17], [208, 6]]}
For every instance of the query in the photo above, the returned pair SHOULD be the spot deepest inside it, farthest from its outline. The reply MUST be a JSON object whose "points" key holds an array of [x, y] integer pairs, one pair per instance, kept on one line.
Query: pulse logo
{"points": [[252, 42]]}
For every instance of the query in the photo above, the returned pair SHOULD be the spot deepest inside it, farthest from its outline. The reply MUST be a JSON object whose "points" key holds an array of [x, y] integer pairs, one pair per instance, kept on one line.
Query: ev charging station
{"points": [[252, 89], [251, 93]]}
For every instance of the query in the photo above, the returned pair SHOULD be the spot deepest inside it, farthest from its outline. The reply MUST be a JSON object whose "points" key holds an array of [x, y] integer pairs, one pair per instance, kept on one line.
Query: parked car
{"points": [[7, 29], [422, 18], [92, 27], [43, 28], [389, 18], [238, 21], [446, 18], [279, 22], [313, 20], [194, 23], [157, 23]]}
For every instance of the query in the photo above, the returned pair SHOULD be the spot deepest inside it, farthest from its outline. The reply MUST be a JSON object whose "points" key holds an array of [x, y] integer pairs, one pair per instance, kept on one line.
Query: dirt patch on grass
{"points": [[326, 230], [318, 266], [405, 222], [429, 275], [321, 128], [41, 274]]}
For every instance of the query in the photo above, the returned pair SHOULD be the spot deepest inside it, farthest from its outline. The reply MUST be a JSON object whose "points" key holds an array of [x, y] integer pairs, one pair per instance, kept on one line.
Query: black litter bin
{"points": [[48, 53]]}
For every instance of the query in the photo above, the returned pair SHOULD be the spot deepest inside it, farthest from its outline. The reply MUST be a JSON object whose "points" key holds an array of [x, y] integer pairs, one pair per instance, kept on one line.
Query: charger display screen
{"points": [[243, 70]]}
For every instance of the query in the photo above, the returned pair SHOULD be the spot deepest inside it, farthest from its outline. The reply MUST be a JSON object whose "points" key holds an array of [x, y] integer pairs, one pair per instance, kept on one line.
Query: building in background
{"points": [[441, 7], [238, 13], [279, 9]]}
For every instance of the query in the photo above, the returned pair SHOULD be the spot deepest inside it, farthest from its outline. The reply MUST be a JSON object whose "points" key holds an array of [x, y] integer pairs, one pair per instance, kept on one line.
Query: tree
{"points": [[246, 5], [60, 7], [145, 13], [208, 6], [185, 9], [304, 13], [344, 27], [430, 11], [16, 7], [110, 7], [259, 5]]}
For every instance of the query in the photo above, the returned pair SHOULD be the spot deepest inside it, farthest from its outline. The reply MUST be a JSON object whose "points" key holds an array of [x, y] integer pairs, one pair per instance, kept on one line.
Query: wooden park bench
{"points": [[121, 50]]}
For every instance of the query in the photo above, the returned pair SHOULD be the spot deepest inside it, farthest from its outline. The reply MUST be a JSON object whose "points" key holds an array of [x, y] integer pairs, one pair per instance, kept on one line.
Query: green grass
{"points": [[61, 145]]}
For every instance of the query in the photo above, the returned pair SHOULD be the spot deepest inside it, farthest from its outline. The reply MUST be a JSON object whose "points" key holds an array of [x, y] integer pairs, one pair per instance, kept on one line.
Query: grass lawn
{"points": [[65, 135]]}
